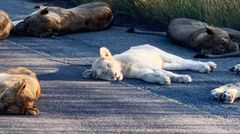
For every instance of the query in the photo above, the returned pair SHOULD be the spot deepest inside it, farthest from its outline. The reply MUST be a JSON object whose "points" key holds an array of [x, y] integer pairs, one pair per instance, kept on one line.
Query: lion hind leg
{"points": [[203, 67]]}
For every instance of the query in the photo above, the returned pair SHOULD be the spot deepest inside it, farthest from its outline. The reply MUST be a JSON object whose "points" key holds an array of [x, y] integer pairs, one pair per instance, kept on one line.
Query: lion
{"points": [[147, 63], [228, 93], [49, 21], [202, 37], [6, 25], [210, 41], [19, 90]]}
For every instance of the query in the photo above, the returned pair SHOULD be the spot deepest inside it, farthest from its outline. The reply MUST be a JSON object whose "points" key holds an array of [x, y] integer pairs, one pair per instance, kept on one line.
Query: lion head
{"points": [[217, 42], [18, 98], [5, 25], [106, 67], [40, 23]]}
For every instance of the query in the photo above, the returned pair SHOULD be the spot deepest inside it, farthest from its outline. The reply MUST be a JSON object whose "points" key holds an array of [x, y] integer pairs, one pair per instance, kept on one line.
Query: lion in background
{"points": [[210, 41], [6, 25], [144, 62], [202, 37], [19, 90], [48, 21]]}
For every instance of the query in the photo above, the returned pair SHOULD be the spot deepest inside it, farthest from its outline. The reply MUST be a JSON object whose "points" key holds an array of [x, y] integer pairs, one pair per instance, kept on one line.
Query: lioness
{"points": [[211, 42], [48, 21], [5, 25], [227, 93], [144, 62], [19, 90], [202, 37], [230, 92]]}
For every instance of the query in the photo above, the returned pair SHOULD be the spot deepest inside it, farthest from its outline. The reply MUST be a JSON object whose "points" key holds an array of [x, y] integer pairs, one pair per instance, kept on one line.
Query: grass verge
{"points": [[161, 12]]}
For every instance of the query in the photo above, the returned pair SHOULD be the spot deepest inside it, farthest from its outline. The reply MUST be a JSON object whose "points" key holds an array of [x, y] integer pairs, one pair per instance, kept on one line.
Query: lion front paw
{"points": [[227, 95], [32, 111], [208, 67], [236, 69], [164, 81]]}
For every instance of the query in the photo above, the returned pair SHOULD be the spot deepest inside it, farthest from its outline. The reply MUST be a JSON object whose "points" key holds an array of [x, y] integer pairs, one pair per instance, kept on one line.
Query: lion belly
{"points": [[89, 17], [144, 56]]}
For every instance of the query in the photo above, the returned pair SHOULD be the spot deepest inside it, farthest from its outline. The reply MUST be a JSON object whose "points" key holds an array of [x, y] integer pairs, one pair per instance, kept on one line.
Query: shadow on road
{"points": [[66, 73]]}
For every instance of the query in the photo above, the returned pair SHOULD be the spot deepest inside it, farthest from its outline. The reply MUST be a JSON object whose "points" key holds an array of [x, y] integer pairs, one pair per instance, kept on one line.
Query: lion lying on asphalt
{"points": [[230, 92], [147, 63], [48, 21], [202, 37], [19, 90], [5, 25], [227, 93], [211, 42]]}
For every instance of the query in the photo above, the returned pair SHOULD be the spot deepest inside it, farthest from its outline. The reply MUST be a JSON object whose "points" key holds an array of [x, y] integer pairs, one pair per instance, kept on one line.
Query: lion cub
{"points": [[19, 90], [147, 63], [5, 25]]}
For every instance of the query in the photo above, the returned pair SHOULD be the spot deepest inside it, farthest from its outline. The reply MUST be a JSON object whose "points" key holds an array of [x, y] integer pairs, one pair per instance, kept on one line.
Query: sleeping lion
{"points": [[230, 92], [204, 38], [210, 41], [5, 25], [147, 63], [19, 90], [49, 21]]}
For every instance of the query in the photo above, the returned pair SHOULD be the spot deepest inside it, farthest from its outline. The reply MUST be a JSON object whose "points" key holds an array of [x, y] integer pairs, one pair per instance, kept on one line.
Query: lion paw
{"points": [[32, 111], [236, 69], [227, 95], [182, 79], [164, 81], [208, 67]]}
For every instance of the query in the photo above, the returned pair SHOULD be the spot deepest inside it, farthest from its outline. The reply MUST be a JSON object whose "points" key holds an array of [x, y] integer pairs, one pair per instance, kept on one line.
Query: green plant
{"points": [[216, 12]]}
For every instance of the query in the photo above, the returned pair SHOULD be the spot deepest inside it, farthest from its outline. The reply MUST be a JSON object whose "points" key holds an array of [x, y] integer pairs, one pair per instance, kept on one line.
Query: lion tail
{"points": [[233, 54], [138, 31]]}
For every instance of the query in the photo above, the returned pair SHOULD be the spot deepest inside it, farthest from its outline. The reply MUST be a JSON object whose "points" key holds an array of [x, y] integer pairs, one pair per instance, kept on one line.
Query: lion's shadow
{"points": [[65, 73]]}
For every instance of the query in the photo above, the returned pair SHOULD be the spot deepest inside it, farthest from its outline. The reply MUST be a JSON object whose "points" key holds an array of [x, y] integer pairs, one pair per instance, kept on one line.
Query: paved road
{"points": [[71, 104]]}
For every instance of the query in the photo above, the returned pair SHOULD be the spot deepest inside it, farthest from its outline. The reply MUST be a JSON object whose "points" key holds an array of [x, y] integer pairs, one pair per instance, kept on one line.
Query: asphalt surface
{"points": [[72, 104]]}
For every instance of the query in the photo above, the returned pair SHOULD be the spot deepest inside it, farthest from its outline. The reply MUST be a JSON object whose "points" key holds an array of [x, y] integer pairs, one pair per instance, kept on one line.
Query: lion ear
{"points": [[20, 86], [44, 11], [87, 73], [105, 53], [210, 30], [37, 7]]}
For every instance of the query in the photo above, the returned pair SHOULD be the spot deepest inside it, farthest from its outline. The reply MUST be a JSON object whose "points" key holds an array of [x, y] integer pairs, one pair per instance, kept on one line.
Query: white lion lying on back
{"points": [[147, 63]]}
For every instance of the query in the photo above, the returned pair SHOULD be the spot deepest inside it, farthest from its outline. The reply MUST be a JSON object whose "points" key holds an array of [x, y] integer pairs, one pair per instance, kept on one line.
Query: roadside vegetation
{"points": [[155, 12]]}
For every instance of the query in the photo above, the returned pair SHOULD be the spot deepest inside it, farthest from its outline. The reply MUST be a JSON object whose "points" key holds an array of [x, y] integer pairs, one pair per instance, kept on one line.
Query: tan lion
{"points": [[202, 37], [230, 92], [211, 42], [19, 90], [5, 25], [48, 21], [147, 63]]}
